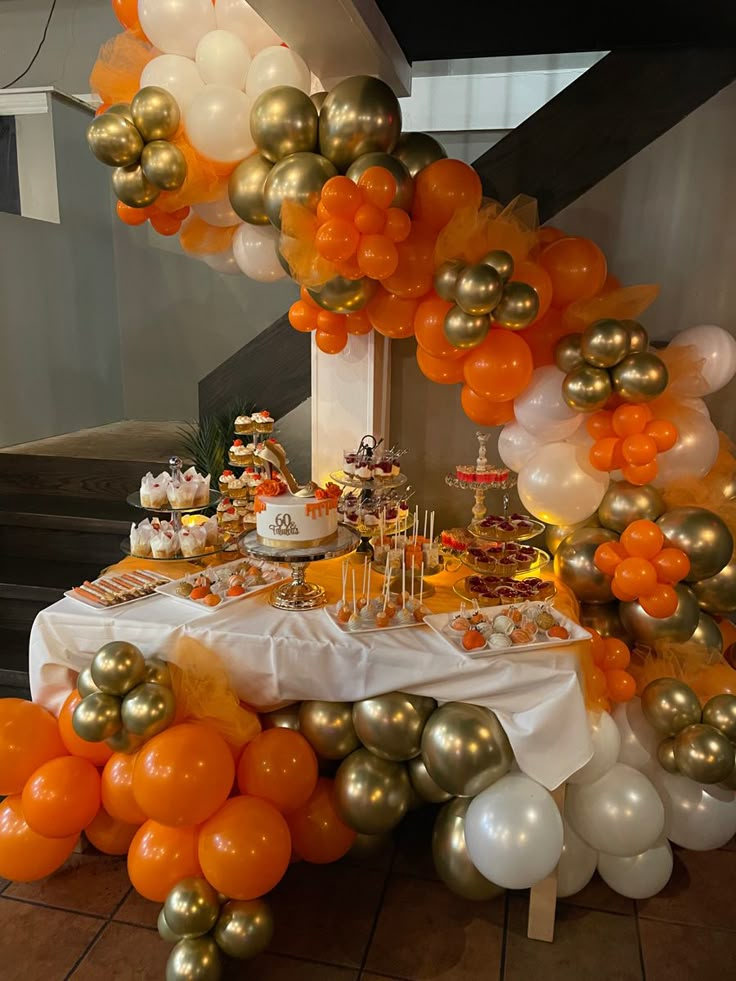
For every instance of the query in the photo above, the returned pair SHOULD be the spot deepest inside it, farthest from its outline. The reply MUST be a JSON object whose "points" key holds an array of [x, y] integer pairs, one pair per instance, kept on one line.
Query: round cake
{"points": [[290, 522]]}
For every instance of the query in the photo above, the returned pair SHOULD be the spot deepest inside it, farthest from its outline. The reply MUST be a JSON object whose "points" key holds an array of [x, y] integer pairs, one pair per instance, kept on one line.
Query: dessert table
{"points": [[274, 657]]}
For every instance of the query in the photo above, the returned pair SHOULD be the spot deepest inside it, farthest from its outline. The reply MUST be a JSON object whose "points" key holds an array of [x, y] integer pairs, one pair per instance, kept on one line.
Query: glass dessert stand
{"points": [[298, 594], [371, 490], [481, 489]]}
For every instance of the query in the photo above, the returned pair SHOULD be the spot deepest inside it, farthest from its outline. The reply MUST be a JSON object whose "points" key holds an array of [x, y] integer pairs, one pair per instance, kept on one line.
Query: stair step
{"points": [[66, 513], [14, 653], [108, 480], [39, 579]]}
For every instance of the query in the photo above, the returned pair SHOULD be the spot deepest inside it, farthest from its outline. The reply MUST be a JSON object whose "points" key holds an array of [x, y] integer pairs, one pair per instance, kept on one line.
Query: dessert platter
{"points": [[493, 590], [224, 585], [360, 612], [118, 589], [481, 477]]}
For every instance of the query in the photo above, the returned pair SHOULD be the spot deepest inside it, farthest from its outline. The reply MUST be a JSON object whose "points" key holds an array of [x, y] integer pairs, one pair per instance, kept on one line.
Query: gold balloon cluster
{"points": [[482, 292], [125, 699], [204, 924], [699, 745], [135, 139], [609, 357]]}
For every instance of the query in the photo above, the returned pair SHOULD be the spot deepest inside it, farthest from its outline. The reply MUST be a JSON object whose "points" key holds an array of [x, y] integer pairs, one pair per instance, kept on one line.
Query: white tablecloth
{"points": [[275, 657]]}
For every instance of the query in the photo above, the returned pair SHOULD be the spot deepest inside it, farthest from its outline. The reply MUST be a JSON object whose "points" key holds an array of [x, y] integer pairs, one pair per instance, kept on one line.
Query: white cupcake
{"points": [[140, 539], [165, 545], [154, 490], [192, 540]]}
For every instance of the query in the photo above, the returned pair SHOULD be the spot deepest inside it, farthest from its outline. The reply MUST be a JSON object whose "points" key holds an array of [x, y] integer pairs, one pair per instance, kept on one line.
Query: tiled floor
{"points": [[385, 919]]}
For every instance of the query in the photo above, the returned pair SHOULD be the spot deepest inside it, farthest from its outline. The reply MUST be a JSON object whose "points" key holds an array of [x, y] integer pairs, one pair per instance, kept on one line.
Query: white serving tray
{"points": [[102, 607], [368, 626], [276, 575]]}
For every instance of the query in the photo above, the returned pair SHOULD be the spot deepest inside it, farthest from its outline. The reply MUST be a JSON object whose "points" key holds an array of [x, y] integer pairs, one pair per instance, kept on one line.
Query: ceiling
{"points": [[480, 28]]}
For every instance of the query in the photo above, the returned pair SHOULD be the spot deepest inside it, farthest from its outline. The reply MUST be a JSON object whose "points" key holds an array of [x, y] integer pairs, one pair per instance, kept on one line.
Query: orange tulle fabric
{"points": [[470, 234], [203, 183], [704, 669], [683, 364], [626, 303], [197, 237], [298, 229], [116, 74], [709, 492]]}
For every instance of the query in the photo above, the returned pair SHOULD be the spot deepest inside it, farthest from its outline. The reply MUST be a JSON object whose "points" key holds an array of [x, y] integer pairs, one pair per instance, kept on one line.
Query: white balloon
{"points": [[218, 212], [577, 864], [239, 18], [515, 829], [697, 405], [277, 66], [541, 409], [697, 816], [177, 75], [718, 348], [516, 445], [638, 876], [559, 486], [175, 26], [695, 451], [606, 745], [223, 262], [621, 813], [638, 740], [223, 59], [218, 124], [254, 248]]}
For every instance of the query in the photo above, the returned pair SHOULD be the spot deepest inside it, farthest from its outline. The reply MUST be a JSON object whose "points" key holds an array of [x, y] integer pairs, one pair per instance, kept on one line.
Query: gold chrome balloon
{"points": [[117, 667], [666, 754], [704, 754], [122, 109], [586, 389], [567, 353], [391, 725], [445, 279], [283, 718], [605, 618], [283, 120], [148, 709], [191, 907], [501, 261], [244, 929], [638, 337], [707, 634], [702, 535], [97, 717], [423, 785], [640, 377], [164, 165], [575, 565], [605, 343], [555, 535], [450, 854], [478, 289], [299, 178], [651, 630], [366, 848], [114, 140], [155, 113], [158, 672], [164, 930], [318, 98], [341, 295], [464, 331], [717, 594], [132, 187], [328, 728], [465, 749], [624, 502], [125, 742], [85, 684], [418, 150], [518, 306], [194, 960], [720, 712], [372, 795], [670, 705], [404, 182], [245, 189], [360, 115]]}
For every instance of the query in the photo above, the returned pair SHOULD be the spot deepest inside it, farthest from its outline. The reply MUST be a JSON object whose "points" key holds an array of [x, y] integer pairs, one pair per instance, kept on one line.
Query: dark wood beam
{"points": [[604, 118]]}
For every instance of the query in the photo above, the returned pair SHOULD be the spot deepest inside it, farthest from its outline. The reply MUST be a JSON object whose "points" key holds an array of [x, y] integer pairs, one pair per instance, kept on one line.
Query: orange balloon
{"points": [[538, 278], [640, 474], [429, 327], [183, 775], [597, 683], [442, 188], [642, 539], [317, 832], [126, 12], [279, 766], [245, 848], [198, 237], [370, 220], [337, 239], [611, 284], [349, 269], [165, 224], [615, 655], [358, 323], [630, 419], [671, 565], [97, 753], [618, 457], [484, 412], [600, 424], [440, 370], [621, 685], [322, 213], [597, 647], [548, 234], [398, 225], [543, 335], [500, 367], [378, 257], [118, 798], [622, 594], [660, 603], [378, 186], [601, 453], [131, 216], [109, 836], [341, 197], [25, 855], [302, 317], [330, 323], [391, 315], [638, 449], [636, 577], [663, 432], [576, 267], [29, 737], [181, 213], [608, 556], [62, 797], [415, 272], [330, 343], [159, 857]]}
